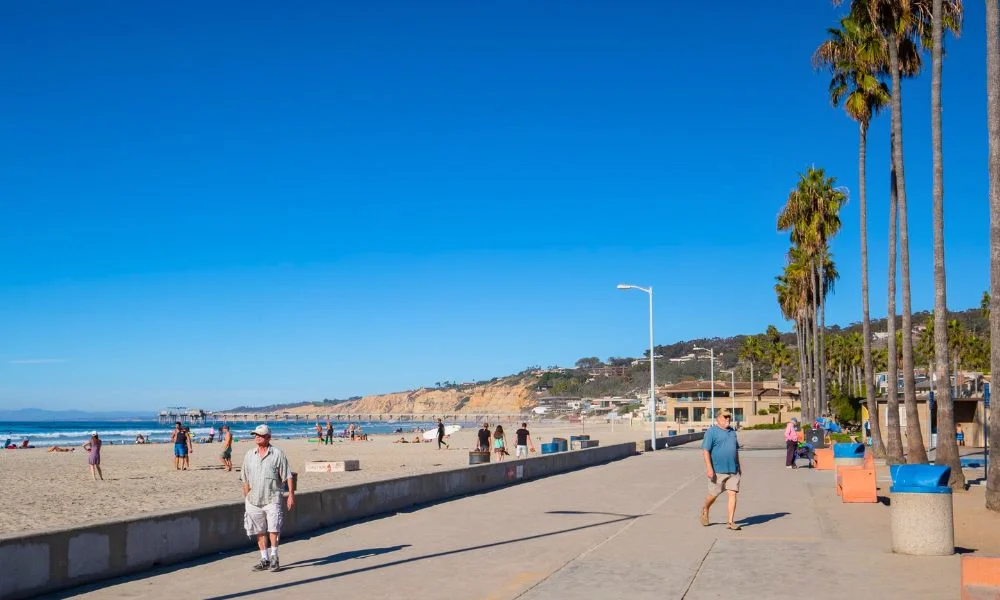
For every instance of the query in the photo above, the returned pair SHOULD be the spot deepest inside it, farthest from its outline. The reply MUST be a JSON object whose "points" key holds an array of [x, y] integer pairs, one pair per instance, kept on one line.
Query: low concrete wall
{"points": [[44, 562], [671, 441]]}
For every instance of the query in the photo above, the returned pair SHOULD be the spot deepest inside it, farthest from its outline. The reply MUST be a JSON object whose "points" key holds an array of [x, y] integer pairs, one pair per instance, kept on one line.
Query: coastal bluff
{"points": [[500, 398]]}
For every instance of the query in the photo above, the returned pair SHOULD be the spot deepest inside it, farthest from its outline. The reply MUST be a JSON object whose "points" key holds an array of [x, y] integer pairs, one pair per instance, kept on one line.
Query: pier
{"points": [[322, 415]]}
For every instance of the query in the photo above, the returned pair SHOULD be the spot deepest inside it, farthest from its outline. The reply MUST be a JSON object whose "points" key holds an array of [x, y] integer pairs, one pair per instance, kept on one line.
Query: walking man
{"points": [[523, 440], [265, 468], [441, 435], [722, 466], [182, 444], [484, 438], [227, 447], [329, 433]]}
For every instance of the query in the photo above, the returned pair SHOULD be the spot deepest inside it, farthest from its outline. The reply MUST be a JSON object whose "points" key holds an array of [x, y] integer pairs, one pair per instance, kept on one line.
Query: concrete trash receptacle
{"points": [[848, 454], [921, 512], [550, 448], [561, 443], [477, 457]]}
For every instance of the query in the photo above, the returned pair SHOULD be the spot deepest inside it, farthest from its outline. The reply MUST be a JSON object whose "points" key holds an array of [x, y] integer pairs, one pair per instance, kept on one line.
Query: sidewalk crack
{"points": [[698, 570]]}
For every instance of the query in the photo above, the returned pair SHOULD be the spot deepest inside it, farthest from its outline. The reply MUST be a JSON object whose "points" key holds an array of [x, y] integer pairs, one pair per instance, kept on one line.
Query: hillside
{"points": [[515, 393]]}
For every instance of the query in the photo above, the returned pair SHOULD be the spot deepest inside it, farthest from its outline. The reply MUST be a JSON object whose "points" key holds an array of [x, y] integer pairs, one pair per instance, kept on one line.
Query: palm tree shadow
{"points": [[589, 512], [342, 556], [761, 519]]}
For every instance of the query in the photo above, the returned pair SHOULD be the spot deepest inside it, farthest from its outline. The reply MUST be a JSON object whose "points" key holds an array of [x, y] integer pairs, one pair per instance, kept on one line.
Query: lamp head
{"points": [[623, 286]]}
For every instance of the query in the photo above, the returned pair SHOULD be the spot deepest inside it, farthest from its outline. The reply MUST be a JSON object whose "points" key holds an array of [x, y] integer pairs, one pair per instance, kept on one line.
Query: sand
{"points": [[46, 490]]}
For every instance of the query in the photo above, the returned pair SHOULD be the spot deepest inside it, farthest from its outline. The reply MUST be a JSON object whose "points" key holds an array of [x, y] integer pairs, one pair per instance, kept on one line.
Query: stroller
{"points": [[805, 451]]}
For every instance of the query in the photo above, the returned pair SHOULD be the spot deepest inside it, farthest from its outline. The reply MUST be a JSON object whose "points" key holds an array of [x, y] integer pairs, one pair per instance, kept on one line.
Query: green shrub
{"points": [[762, 412], [773, 410], [767, 426]]}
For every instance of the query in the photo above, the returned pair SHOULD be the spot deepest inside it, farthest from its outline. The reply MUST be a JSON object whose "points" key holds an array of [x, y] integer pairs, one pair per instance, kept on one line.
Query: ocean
{"points": [[74, 433]]}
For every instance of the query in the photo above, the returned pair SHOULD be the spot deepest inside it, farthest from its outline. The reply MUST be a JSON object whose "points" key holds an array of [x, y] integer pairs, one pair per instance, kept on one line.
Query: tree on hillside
{"points": [[590, 362]]}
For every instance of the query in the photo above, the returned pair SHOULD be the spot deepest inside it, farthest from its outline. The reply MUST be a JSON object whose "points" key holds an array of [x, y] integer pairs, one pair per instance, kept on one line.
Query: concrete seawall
{"points": [[53, 560]]}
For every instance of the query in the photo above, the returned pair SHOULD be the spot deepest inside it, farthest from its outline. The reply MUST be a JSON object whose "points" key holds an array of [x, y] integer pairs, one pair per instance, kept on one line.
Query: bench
{"points": [[823, 459], [980, 577], [856, 483]]}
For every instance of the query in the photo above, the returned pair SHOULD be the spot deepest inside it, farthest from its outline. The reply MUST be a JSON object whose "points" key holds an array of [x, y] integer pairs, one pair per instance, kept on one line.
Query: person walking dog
{"points": [[722, 466], [265, 468]]}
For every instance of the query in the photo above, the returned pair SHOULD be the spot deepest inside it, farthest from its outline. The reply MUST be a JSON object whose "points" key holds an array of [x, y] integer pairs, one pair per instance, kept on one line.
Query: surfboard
{"points": [[432, 434]]}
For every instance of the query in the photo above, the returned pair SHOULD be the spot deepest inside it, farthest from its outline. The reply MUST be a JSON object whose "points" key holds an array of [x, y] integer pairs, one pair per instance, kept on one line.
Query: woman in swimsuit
{"points": [[499, 444]]}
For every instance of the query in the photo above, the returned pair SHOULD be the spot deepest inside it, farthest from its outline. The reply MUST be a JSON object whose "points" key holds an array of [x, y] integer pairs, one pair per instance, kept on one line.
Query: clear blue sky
{"points": [[223, 203]]}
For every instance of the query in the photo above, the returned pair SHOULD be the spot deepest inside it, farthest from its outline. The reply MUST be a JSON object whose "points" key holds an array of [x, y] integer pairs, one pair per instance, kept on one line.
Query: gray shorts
{"points": [[724, 482], [261, 519]]}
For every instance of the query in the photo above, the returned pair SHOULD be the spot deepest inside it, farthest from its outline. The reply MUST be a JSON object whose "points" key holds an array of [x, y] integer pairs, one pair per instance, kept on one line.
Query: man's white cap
{"points": [[93, 433], [262, 430]]}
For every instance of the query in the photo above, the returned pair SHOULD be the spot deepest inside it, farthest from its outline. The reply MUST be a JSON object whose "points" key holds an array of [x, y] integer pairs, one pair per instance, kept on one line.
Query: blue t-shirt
{"points": [[722, 446]]}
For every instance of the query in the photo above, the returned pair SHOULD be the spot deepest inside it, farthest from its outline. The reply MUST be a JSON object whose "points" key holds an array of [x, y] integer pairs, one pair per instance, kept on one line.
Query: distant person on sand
{"points": [[211, 434], [441, 435], [722, 466], [190, 448], [61, 449], [329, 433], [959, 435], [181, 441], [499, 443], [319, 432], [227, 447], [265, 468], [523, 441], [484, 438], [93, 448]]}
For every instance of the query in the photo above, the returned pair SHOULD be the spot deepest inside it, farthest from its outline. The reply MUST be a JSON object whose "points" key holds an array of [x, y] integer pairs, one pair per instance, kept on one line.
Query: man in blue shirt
{"points": [[722, 465]]}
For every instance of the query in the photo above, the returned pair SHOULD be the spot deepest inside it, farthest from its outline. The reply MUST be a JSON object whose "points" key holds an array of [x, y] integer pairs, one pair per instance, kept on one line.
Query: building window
{"points": [[738, 415], [701, 414], [681, 415]]}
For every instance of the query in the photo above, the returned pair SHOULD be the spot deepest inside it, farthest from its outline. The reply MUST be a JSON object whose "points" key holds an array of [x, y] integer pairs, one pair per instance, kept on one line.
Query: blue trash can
{"points": [[561, 443], [850, 453], [550, 448], [921, 511]]}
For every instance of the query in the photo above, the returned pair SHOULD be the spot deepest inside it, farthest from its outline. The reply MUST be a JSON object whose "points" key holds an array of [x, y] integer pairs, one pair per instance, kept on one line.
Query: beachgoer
{"points": [[139, 439], [329, 433], [190, 447], [93, 448], [265, 468], [350, 431], [499, 443], [319, 433], [868, 433], [484, 438], [211, 434], [959, 435], [401, 440], [791, 443], [523, 441], [722, 466], [416, 439], [227, 448], [61, 449], [441, 435], [179, 438], [25, 443]]}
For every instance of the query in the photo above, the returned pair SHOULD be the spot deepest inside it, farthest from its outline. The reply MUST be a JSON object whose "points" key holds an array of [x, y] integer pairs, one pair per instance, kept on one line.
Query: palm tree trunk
{"points": [[993, 124], [866, 324], [800, 334], [947, 446], [894, 441], [817, 400], [821, 306], [916, 453]]}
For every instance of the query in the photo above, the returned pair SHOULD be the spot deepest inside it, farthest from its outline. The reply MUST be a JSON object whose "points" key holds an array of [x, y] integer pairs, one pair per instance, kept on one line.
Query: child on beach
{"points": [[93, 448]]}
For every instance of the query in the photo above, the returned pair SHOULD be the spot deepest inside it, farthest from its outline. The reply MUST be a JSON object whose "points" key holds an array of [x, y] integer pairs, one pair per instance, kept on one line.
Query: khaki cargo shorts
{"points": [[262, 519], [724, 482]]}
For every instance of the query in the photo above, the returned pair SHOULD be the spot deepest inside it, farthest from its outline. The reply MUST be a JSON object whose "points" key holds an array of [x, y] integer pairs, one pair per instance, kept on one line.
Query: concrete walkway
{"points": [[628, 529]]}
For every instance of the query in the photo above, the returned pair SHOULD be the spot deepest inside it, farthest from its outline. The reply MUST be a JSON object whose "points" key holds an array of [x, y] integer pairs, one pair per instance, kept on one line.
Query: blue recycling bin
{"points": [[922, 514], [561, 443], [848, 454], [550, 448]]}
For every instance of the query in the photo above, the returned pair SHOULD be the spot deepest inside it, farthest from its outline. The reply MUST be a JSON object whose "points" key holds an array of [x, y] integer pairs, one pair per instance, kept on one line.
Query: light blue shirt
{"points": [[723, 447]]}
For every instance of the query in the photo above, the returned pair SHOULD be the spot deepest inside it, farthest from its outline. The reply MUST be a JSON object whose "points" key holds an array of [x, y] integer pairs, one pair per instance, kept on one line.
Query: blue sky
{"points": [[224, 203]]}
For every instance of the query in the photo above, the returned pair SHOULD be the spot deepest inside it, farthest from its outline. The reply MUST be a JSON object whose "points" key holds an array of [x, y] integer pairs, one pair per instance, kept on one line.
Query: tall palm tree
{"points": [[855, 56], [751, 351], [893, 442], [792, 289], [993, 124], [947, 445]]}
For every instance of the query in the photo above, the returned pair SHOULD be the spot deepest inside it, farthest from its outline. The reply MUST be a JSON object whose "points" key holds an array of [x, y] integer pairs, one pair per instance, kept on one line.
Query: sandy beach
{"points": [[46, 490]]}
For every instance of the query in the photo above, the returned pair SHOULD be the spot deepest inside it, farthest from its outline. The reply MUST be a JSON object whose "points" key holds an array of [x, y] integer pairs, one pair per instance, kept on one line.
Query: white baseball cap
{"points": [[93, 433], [262, 430]]}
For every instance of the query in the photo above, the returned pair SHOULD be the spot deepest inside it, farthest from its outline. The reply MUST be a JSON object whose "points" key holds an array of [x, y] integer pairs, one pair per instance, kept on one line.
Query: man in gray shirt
{"points": [[265, 469]]}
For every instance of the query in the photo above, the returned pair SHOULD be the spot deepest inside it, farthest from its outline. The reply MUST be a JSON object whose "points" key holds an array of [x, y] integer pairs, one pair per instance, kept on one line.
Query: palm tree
{"points": [[781, 358], [947, 445], [893, 442], [993, 124], [855, 57], [812, 215], [752, 352], [792, 289]]}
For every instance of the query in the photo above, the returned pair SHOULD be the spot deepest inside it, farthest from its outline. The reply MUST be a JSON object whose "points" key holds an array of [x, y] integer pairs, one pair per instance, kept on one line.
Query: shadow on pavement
{"points": [[588, 512], [250, 593], [341, 557], [761, 519]]}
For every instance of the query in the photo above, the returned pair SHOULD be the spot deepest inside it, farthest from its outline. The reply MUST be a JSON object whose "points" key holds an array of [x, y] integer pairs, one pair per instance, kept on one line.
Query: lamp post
{"points": [[711, 370], [652, 353], [732, 391]]}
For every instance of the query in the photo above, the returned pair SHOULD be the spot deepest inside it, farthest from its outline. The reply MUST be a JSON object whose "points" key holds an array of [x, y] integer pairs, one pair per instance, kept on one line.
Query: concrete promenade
{"points": [[627, 529]]}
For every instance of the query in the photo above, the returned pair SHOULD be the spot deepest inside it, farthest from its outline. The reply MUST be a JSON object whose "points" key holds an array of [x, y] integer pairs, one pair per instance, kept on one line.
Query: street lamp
{"points": [[732, 391], [652, 353], [711, 370]]}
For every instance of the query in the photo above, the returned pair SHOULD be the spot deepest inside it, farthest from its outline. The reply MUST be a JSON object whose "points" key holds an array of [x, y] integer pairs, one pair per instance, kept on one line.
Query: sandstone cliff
{"points": [[497, 397]]}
